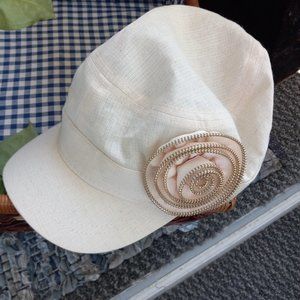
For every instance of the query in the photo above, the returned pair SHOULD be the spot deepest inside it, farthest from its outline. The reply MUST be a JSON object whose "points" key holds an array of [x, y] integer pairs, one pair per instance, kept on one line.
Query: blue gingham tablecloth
{"points": [[37, 63]]}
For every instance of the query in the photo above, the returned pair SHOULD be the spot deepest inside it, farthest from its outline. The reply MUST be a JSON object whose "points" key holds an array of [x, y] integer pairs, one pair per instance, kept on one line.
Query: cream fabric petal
{"points": [[221, 162]]}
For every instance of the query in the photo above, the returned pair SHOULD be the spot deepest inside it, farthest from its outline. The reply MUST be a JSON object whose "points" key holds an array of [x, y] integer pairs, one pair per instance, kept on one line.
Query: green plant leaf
{"points": [[2, 188], [11, 145], [17, 14]]}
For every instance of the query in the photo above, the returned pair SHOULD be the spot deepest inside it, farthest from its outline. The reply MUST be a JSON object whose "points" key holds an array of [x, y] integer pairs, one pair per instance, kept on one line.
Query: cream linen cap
{"points": [[156, 125]]}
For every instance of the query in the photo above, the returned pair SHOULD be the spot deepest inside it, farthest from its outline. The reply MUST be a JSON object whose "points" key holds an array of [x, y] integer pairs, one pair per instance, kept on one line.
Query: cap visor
{"points": [[66, 210]]}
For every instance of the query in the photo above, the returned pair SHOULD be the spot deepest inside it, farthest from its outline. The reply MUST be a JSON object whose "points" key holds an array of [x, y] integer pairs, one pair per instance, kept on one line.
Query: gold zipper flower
{"points": [[194, 174]]}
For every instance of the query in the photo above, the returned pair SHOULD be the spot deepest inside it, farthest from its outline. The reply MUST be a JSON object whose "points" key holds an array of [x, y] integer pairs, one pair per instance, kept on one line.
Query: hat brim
{"points": [[66, 210]]}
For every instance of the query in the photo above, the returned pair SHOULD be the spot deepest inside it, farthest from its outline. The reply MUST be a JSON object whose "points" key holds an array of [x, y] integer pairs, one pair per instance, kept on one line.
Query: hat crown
{"points": [[157, 79]]}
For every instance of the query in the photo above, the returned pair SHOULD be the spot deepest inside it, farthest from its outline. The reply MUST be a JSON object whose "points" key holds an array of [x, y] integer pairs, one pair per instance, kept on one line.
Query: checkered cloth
{"points": [[37, 63]]}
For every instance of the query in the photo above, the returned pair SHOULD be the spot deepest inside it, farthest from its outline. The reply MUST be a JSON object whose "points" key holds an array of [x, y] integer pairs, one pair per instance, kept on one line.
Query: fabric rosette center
{"points": [[195, 173]]}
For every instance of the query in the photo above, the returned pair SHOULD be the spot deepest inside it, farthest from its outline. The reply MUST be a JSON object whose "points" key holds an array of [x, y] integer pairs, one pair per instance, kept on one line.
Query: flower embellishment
{"points": [[195, 173]]}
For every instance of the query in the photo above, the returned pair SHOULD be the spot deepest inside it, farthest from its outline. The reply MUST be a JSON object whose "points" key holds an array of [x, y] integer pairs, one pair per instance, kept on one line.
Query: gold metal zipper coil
{"points": [[205, 181]]}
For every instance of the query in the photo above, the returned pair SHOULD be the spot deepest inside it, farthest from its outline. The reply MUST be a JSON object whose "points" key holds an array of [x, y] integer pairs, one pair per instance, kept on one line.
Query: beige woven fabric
{"points": [[177, 70]]}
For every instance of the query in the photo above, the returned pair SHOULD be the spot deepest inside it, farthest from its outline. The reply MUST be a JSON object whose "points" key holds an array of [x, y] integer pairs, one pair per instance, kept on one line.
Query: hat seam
{"points": [[78, 174], [91, 143], [248, 91], [243, 90], [132, 101]]}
